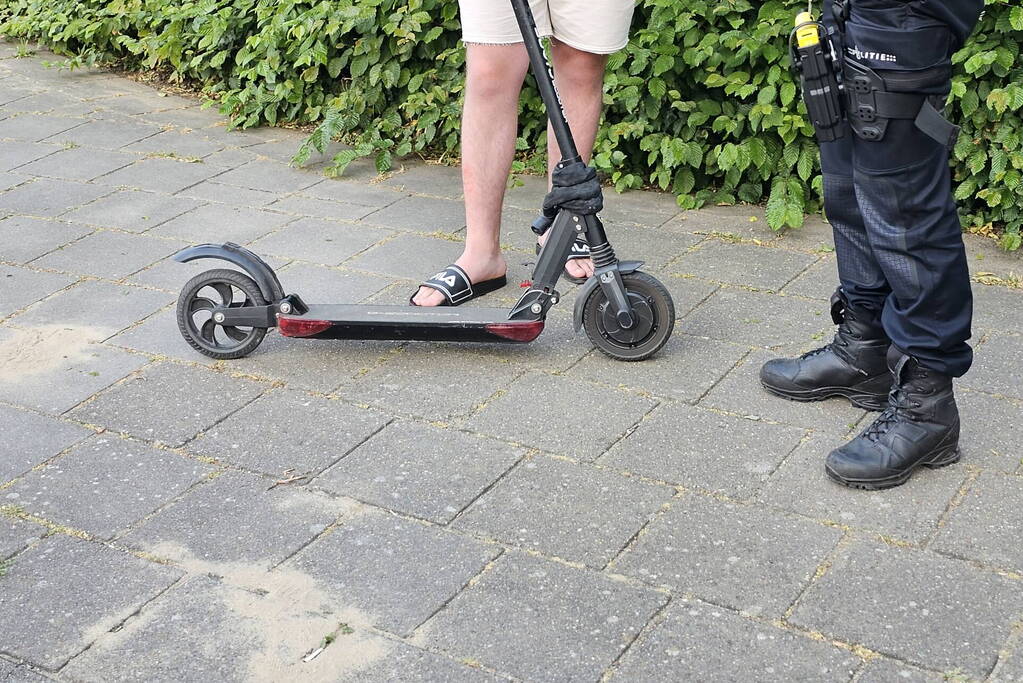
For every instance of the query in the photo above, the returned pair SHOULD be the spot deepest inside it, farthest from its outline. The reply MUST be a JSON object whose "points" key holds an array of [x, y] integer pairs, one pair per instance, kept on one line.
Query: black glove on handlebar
{"points": [[576, 189]]}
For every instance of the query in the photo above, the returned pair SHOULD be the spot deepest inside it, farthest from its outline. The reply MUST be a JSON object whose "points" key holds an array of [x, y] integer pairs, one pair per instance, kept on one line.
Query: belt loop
{"points": [[841, 10]]}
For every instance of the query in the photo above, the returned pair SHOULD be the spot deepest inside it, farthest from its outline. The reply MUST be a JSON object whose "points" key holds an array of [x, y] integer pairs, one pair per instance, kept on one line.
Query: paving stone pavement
{"points": [[435, 512]]}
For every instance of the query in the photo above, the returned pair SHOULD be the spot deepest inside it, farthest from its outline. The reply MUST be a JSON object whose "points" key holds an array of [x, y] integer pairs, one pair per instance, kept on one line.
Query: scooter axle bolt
{"points": [[219, 317], [536, 308], [285, 308]]}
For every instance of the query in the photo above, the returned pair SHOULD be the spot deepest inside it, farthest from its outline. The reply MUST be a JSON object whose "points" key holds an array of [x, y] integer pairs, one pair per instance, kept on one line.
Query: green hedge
{"points": [[701, 103]]}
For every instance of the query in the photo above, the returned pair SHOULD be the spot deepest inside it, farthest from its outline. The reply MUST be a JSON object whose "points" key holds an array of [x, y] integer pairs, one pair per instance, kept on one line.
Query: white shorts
{"points": [[597, 26]]}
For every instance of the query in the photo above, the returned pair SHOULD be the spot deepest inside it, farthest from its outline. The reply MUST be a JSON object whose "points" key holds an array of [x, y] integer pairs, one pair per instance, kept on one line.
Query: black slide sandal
{"points": [[454, 284], [580, 250]]}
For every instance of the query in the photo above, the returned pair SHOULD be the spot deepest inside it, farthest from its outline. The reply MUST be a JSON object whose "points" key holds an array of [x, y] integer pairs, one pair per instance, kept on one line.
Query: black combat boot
{"points": [[920, 428], [853, 365]]}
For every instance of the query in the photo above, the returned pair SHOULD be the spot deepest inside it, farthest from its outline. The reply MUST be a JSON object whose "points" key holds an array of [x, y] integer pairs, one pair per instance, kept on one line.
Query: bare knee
{"points": [[578, 70], [495, 70]]}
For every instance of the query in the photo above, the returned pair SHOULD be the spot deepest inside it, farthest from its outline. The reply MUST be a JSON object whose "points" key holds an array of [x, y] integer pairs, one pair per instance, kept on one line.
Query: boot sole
{"points": [[943, 458], [864, 401]]}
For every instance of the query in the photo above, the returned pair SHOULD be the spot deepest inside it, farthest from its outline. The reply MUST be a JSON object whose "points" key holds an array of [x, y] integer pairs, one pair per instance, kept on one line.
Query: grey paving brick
{"points": [[600, 415], [132, 210], [169, 403], [309, 433], [115, 483], [20, 287], [686, 368], [176, 143], [254, 633], [429, 179], [986, 525], [696, 447], [29, 439], [997, 308], [761, 319], [656, 247], [405, 663], [271, 176], [35, 128], [222, 223], [575, 512], [312, 364], [19, 673], [814, 236], [1011, 670], [318, 283], [320, 208], [160, 175], [818, 282], [190, 119], [353, 193], [421, 214], [917, 606], [991, 430], [909, 512], [996, 368], [27, 238], [884, 670], [420, 470], [624, 213], [744, 557], [15, 536], [251, 523], [46, 197], [9, 181], [19, 153], [78, 164], [374, 561], [740, 392], [743, 221], [433, 382], [408, 256], [230, 157], [320, 241], [211, 190], [686, 293], [159, 336], [106, 134], [697, 641], [541, 620], [743, 264], [111, 255], [65, 592], [97, 309], [40, 103], [53, 370]]}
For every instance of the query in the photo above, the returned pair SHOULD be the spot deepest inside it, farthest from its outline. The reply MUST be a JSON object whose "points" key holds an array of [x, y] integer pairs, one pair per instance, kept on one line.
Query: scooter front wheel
{"points": [[197, 305], [654, 319]]}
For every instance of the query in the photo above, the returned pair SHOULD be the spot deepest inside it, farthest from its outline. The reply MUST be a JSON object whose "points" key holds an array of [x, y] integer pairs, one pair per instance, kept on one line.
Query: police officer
{"points": [[904, 306]]}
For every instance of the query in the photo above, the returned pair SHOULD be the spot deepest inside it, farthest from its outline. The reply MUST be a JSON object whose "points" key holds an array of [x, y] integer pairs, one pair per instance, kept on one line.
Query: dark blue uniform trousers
{"points": [[897, 233]]}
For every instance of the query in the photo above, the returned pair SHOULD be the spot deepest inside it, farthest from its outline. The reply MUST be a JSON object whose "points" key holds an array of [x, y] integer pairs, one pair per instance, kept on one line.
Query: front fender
{"points": [[255, 267], [624, 267]]}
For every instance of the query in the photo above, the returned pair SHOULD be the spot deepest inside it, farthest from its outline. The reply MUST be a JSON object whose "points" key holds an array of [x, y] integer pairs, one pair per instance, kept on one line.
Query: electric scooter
{"points": [[626, 313]]}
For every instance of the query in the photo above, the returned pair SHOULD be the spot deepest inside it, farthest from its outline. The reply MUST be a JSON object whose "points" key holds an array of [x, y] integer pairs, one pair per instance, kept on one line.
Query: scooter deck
{"points": [[399, 323]]}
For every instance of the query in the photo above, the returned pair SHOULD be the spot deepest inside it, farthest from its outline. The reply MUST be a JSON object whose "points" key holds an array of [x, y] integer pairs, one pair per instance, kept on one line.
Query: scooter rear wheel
{"points": [[654, 319], [215, 289]]}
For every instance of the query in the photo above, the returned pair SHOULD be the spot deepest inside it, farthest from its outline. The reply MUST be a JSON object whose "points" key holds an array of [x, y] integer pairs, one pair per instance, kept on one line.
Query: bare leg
{"points": [[494, 76], [580, 78]]}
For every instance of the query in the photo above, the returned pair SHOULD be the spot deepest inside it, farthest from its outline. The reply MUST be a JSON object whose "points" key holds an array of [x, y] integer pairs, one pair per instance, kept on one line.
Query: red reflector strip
{"points": [[521, 332], [297, 327]]}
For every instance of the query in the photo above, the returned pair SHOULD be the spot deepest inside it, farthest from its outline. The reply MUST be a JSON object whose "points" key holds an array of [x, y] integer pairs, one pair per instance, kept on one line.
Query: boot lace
{"points": [[841, 339], [898, 402]]}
